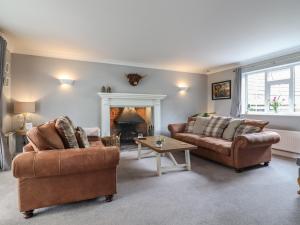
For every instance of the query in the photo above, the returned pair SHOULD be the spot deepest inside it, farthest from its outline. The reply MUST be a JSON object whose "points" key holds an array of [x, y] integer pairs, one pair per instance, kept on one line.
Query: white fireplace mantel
{"points": [[129, 100]]}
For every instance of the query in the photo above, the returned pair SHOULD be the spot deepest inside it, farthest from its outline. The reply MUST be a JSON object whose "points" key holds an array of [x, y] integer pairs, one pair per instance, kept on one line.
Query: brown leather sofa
{"points": [[244, 151], [53, 177]]}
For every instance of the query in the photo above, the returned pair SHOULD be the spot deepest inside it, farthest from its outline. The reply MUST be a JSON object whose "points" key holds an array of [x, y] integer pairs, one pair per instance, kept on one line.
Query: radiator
{"points": [[11, 142], [290, 141]]}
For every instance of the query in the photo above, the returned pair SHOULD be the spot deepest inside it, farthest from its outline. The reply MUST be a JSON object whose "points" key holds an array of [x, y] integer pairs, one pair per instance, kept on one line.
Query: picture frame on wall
{"points": [[221, 90]]}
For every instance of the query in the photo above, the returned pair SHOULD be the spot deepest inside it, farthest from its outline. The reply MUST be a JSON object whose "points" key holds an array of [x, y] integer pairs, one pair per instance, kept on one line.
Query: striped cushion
{"points": [[246, 129], [189, 126], [216, 126]]}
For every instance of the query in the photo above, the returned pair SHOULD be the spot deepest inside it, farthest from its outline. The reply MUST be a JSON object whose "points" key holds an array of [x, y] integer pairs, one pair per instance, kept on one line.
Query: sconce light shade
{"points": [[184, 89], [66, 81], [24, 107]]}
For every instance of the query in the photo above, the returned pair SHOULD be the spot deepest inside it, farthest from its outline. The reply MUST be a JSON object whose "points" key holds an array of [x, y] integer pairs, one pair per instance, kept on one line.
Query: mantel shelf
{"points": [[131, 96]]}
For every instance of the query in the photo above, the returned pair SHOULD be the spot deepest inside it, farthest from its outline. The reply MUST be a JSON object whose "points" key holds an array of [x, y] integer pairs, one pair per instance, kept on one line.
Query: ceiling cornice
{"points": [[253, 60]]}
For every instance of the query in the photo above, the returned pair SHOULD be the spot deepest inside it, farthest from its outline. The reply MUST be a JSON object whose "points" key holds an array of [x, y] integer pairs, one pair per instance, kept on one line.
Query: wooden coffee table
{"points": [[169, 146]]}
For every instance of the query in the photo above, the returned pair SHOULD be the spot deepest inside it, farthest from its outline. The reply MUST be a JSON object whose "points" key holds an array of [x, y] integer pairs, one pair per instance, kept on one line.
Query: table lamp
{"points": [[24, 108]]}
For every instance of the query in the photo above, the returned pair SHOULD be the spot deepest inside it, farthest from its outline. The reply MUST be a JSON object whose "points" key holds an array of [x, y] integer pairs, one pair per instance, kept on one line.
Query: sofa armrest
{"points": [[65, 161], [176, 128], [265, 138]]}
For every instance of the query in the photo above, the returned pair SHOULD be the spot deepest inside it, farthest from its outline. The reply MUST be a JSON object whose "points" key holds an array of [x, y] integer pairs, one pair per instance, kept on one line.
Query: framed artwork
{"points": [[221, 90]]}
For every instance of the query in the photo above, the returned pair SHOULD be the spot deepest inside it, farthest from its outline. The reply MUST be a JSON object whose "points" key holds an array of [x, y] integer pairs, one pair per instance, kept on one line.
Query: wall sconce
{"points": [[183, 89], [66, 82]]}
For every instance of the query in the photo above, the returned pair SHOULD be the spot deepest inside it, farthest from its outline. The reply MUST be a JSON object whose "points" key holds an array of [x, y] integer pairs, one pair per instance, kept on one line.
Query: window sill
{"points": [[271, 114]]}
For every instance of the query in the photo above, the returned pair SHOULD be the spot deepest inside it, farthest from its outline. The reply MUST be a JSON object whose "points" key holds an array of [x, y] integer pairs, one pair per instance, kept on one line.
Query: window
{"points": [[274, 90]]}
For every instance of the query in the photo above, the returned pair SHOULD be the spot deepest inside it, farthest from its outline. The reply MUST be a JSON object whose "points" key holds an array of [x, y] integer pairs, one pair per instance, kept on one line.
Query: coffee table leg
{"points": [[158, 164], [139, 150], [187, 159]]}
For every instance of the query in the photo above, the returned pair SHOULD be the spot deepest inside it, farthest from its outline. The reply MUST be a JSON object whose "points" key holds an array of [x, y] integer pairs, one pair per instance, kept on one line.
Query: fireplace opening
{"points": [[129, 122]]}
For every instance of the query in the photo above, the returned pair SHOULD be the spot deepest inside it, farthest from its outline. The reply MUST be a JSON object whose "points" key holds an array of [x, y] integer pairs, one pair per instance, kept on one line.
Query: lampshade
{"points": [[24, 107]]}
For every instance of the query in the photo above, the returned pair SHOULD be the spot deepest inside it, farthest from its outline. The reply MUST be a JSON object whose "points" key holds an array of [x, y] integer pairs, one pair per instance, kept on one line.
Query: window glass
{"points": [[297, 88], [282, 74], [256, 92]]}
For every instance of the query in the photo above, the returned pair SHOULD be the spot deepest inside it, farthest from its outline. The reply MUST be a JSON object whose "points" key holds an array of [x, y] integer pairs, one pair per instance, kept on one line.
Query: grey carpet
{"points": [[210, 194]]}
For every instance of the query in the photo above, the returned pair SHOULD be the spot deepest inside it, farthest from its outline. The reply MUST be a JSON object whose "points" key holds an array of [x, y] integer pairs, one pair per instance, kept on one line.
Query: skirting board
{"points": [[285, 153]]}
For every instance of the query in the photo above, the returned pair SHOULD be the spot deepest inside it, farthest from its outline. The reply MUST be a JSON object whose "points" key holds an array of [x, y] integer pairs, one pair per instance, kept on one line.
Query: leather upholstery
{"points": [[52, 177], [246, 150]]}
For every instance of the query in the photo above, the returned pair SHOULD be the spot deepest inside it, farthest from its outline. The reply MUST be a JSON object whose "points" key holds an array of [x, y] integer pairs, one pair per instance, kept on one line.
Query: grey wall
{"points": [[35, 79], [222, 107], [6, 97]]}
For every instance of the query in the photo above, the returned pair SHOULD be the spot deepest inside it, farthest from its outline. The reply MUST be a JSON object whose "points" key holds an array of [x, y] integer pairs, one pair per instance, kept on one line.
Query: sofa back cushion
{"points": [[229, 131], [216, 126], [45, 137], [81, 138], [246, 129], [66, 131], [256, 123], [200, 124]]}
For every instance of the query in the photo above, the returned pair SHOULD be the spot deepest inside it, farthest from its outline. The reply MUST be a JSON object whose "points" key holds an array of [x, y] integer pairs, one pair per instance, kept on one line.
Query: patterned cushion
{"points": [[200, 124], [67, 132], [45, 137], [81, 137], [189, 126], [216, 126], [246, 129], [231, 128]]}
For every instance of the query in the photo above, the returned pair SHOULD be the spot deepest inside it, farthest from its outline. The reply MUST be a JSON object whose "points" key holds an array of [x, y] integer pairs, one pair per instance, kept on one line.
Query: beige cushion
{"points": [[189, 126], [45, 137], [231, 128], [246, 129], [81, 138], [66, 131], [200, 124], [216, 126]]}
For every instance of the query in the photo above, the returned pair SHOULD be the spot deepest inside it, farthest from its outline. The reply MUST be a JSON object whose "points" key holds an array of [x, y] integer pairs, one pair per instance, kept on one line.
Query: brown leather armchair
{"points": [[53, 177]]}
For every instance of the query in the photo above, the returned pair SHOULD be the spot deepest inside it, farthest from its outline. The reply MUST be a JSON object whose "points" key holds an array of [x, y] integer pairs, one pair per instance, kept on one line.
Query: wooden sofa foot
{"points": [[28, 214], [109, 198], [239, 170], [266, 163]]}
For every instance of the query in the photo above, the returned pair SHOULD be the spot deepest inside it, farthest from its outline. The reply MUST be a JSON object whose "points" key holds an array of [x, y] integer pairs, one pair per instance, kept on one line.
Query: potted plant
{"points": [[276, 103]]}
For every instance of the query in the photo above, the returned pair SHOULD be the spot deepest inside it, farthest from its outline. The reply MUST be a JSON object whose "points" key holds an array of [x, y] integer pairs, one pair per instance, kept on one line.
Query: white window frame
{"points": [[268, 84]]}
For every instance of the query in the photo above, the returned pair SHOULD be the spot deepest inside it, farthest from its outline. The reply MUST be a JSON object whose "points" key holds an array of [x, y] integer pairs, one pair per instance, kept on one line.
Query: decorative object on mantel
{"points": [[221, 90], [108, 89], [103, 89], [134, 78]]}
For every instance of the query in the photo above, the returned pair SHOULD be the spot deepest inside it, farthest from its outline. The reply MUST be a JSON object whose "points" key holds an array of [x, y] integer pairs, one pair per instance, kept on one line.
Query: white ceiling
{"points": [[182, 35]]}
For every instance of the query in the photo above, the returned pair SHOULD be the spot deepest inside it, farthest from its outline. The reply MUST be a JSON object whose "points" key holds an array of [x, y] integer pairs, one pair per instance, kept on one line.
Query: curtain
{"points": [[236, 94], [5, 158]]}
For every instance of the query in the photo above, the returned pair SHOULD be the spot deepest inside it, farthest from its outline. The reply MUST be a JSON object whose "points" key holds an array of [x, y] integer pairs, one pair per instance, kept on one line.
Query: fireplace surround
{"points": [[108, 100]]}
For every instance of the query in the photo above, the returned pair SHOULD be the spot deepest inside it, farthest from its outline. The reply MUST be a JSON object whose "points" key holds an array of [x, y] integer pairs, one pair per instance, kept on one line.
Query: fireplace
{"points": [[109, 100], [128, 122]]}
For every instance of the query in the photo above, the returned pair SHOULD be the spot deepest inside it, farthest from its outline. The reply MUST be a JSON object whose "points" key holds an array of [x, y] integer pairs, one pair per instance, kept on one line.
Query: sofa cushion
{"points": [[66, 131], [215, 144], [200, 124], [246, 129], [45, 137], [189, 126], [229, 131], [216, 126], [81, 138]]}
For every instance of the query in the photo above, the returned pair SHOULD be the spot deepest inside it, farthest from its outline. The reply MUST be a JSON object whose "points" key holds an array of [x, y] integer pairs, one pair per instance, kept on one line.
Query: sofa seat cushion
{"points": [[215, 144]]}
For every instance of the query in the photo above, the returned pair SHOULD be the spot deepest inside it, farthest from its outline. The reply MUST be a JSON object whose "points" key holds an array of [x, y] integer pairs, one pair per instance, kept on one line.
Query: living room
{"points": [[150, 112]]}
